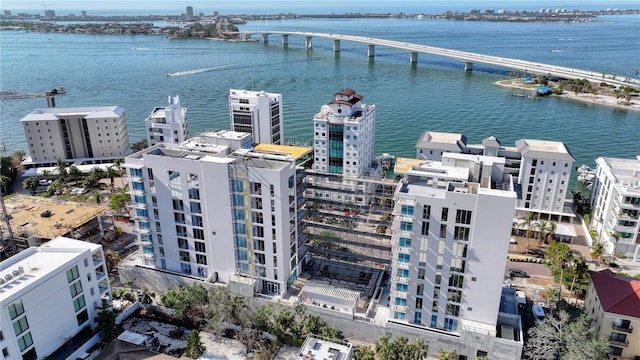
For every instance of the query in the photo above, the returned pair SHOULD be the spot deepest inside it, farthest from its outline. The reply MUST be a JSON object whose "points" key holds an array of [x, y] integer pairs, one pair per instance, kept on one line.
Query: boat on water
{"points": [[586, 175]]}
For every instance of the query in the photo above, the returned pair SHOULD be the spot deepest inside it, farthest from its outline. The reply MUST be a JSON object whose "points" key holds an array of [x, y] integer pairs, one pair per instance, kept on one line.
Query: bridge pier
{"points": [[265, 38], [307, 42], [372, 51], [468, 66], [336, 45], [413, 58], [285, 40]]}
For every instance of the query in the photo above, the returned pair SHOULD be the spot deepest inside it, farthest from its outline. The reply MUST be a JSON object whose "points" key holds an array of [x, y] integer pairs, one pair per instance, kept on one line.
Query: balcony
{"points": [[401, 265], [619, 342], [401, 249], [398, 307], [400, 294], [622, 328], [400, 279]]}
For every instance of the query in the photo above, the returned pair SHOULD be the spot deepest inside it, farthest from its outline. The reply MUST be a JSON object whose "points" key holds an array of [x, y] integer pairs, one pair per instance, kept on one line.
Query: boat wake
{"points": [[198, 71], [143, 49], [557, 50]]}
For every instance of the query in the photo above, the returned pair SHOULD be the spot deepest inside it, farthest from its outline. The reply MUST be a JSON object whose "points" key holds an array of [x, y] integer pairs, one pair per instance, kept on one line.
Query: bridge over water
{"points": [[468, 58]]}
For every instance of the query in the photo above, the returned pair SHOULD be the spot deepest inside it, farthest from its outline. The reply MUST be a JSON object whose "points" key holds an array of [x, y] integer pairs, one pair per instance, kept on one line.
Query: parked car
{"points": [[44, 182], [538, 314], [521, 299], [518, 273]]}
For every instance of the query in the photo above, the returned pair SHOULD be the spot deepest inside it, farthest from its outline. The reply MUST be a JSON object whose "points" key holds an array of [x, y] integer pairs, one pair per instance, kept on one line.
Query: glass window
{"points": [[15, 309], [79, 303], [407, 210], [75, 288], [21, 325], [72, 274], [25, 342], [404, 241], [404, 258]]}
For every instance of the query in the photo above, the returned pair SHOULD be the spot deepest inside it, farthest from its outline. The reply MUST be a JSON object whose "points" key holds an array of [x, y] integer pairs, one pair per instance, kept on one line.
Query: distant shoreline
{"points": [[596, 99]]}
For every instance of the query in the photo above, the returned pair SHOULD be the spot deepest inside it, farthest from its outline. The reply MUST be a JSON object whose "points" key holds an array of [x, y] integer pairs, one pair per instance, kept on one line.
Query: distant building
{"points": [[83, 13], [613, 304], [50, 296], [217, 208], [344, 134], [189, 12], [615, 200], [167, 124], [49, 13], [83, 135], [7, 12], [258, 113], [542, 169]]}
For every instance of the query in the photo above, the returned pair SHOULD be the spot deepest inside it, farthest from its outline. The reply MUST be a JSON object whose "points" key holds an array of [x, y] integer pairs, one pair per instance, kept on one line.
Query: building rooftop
{"points": [[65, 215], [32, 265], [626, 171], [544, 149], [618, 294], [98, 112], [447, 141], [429, 168], [315, 348], [294, 151]]}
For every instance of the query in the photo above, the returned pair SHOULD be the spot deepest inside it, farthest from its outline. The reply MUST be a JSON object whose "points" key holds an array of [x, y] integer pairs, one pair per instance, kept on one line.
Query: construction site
{"points": [[347, 231], [29, 221]]}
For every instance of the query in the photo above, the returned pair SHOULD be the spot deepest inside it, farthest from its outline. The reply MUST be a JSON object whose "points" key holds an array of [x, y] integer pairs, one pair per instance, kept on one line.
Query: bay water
{"points": [[435, 94]]}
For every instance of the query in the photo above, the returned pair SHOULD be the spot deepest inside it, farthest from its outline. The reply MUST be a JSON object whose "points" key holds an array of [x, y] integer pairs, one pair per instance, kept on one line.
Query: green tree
{"points": [[31, 184], [195, 348], [566, 337], [118, 201], [140, 145], [74, 173], [542, 227], [61, 165], [364, 352], [106, 324], [146, 296], [597, 250], [5, 183], [383, 349], [558, 256], [580, 269], [111, 173], [447, 355], [528, 223], [56, 188], [551, 231], [112, 259]]}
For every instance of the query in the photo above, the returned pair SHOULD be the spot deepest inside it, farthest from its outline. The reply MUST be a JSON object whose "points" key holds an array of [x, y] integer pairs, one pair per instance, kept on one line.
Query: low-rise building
{"points": [[50, 295], [613, 303]]}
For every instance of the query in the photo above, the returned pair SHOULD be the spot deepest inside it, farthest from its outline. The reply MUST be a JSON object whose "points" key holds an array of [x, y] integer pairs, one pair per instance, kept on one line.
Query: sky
{"points": [[63, 7]]}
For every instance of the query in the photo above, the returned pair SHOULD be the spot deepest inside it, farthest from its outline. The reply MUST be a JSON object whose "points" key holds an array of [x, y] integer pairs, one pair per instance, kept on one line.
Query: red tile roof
{"points": [[618, 294]]}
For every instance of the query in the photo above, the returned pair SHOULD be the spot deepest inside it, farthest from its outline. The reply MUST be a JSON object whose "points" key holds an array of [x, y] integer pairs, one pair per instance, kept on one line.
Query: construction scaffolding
{"points": [[348, 224]]}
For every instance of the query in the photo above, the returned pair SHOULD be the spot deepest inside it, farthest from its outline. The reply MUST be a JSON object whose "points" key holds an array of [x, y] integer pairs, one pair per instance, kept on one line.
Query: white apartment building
{"points": [[83, 135], [215, 208], [541, 169], [451, 227], [167, 124], [344, 135], [258, 113], [50, 294], [615, 200]]}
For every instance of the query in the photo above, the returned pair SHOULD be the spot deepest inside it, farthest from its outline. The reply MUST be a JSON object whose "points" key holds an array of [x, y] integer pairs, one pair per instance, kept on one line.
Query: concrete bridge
{"points": [[468, 58]]}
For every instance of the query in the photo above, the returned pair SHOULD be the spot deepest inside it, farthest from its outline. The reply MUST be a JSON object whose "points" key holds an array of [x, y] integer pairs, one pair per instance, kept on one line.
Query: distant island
{"points": [[219, 27]]}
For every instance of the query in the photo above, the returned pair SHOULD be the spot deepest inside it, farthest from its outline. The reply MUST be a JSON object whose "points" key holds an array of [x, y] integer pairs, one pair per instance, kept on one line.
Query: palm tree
{"points": [[61, 165], [447, 355], [146, 296], [364, 352], [419, 350], [111, 174], [528, 221], [580, 269], [542, 229], [615, 236], [552, 230], [74, 173], [383, 349], [597, 249]]}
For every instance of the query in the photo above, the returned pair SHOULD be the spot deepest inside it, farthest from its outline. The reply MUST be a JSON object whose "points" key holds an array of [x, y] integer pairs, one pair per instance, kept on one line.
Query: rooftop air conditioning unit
{"points": [[1, 281]]}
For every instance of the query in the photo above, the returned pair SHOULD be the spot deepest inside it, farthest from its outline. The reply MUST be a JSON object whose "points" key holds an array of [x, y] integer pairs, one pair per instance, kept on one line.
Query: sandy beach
{"points": [[597, 99]]}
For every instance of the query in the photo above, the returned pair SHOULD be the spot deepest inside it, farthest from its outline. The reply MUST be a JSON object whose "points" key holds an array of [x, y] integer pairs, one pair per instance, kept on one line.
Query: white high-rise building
{"points": [[615, 200], [167, 124], [542, 168], [258, 113], [50, 294], [344, 136], [215, 208], [77, 135], [450, 236]]}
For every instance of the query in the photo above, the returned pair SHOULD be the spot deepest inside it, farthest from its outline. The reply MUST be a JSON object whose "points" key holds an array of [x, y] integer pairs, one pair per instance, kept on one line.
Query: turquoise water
{"points": [[437, 94]]}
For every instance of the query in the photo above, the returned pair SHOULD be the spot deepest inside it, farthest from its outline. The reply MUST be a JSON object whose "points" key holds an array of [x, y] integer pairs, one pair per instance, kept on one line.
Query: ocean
{"points": [[435, 94]]}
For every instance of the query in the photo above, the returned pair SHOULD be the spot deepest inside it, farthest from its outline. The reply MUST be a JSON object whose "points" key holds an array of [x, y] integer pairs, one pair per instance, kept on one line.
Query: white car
{"points": [[44, 182]]}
